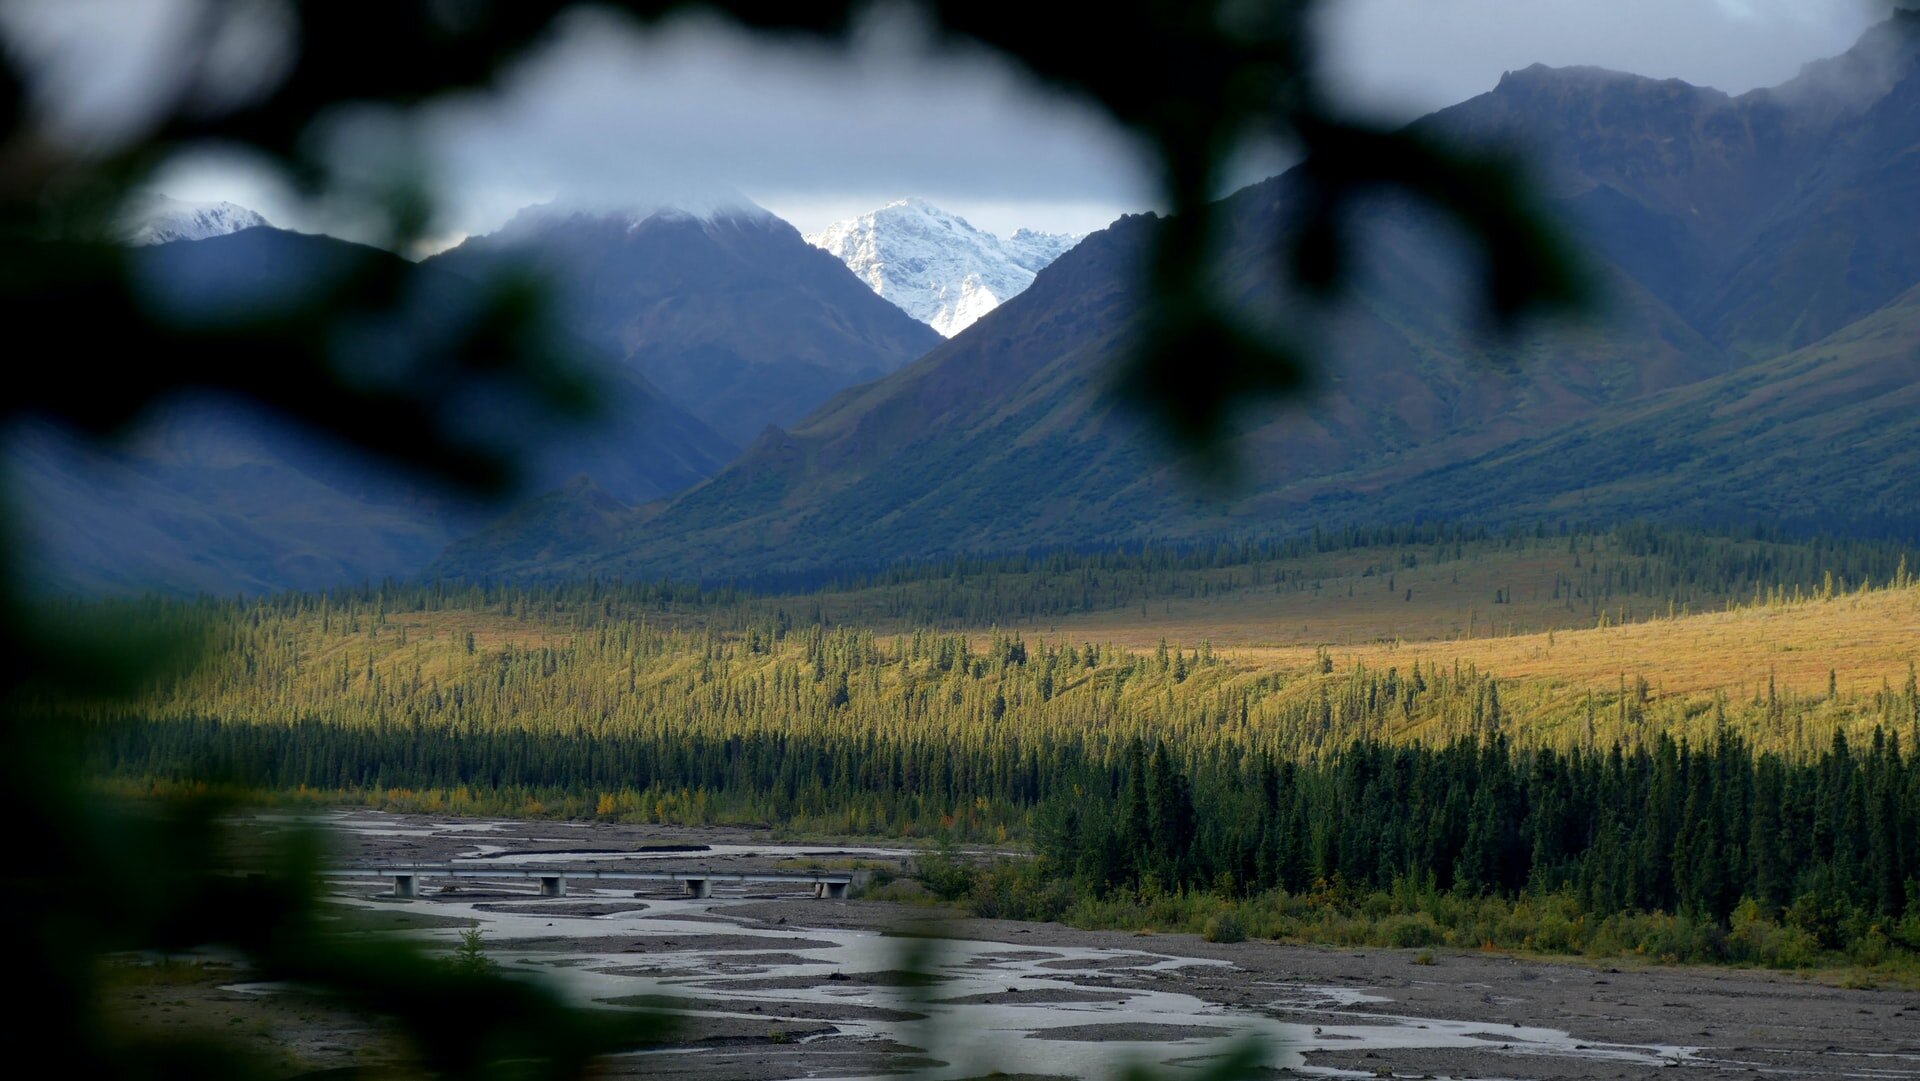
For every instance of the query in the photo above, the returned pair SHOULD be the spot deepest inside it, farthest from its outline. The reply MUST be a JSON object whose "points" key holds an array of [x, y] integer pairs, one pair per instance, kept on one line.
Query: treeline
{"points": [[1658, 567], [1671, 827], [1810, 856], [809, 785], [1702, 562]]}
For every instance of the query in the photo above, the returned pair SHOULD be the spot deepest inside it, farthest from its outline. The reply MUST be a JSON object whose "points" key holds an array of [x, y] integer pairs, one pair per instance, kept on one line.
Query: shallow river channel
{"points": [[778, 984]]}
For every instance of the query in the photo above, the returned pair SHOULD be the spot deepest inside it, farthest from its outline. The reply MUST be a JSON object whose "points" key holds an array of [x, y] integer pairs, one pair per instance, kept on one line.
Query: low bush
{"points": [[946, 875], [1552, 923], [1407, 932], [1225, 927], [1016, 890]]}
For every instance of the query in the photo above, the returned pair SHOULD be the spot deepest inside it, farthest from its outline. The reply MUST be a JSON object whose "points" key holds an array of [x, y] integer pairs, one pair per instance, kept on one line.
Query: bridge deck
{"points": [[471, 871]]}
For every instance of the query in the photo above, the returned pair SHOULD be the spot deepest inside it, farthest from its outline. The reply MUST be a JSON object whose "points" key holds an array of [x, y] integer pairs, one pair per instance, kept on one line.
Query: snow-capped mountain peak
{"points": [[936, 266], [158, 219], [1034, 250]]}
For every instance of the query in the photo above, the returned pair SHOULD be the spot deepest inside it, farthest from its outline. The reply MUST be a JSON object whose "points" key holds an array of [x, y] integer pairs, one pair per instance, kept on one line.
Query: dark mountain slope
{"points": [[1824, 438], [730, 312], [210, 496], [1767, 220], [210, 499], [1006, 437]]}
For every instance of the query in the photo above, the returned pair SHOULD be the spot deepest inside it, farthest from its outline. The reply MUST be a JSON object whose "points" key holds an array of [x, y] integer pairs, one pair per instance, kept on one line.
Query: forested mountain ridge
{"points": [[725, 307]]}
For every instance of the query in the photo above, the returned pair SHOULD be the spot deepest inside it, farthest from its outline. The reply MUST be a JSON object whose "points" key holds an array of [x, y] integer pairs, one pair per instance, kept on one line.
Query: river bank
{"points": [[775, 984]]}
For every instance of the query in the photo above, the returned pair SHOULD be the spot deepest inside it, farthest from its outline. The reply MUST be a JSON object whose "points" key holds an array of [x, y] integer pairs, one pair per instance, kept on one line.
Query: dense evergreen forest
{"points": [[1178, 771], [1800, 857], [1833, 843]]}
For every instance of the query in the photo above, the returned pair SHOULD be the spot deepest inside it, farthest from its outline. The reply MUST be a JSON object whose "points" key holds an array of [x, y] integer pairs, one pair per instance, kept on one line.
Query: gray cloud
{"points": [[818, 133], [792, 124]]}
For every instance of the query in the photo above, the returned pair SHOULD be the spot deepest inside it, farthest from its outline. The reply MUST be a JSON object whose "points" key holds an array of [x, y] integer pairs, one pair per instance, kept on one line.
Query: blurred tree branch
{"points": [[1196, 81]]}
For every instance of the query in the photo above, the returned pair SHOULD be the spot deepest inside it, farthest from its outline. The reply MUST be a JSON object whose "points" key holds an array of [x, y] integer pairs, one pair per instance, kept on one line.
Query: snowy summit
{"points": [[158, 219], [934, 265]]}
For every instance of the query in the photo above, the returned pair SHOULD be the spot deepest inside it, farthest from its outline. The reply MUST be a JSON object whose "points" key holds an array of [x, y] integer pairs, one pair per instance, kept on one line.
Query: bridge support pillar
{"points": [[553, 886], [696, 887], [407, 885]]}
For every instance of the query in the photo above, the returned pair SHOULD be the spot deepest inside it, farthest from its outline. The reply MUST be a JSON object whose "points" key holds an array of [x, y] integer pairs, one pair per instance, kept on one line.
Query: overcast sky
{"points": [[817, 134]]}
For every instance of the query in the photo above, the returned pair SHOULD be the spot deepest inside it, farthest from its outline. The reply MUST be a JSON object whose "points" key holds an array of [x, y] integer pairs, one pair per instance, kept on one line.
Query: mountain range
{"points": [[750, 324], [207, 496], [1743, 245], [779, 413], [934, 265]]}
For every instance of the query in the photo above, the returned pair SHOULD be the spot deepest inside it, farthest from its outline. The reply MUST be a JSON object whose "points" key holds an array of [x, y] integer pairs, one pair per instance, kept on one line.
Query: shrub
{"points": [[1755, 939], [945, 875], [1907, 931], [904, 891], [1822, 912], [1016, 890], [1682, 938], [1873, 948], [1225, 927], [1407, 932], [1553, 932]]}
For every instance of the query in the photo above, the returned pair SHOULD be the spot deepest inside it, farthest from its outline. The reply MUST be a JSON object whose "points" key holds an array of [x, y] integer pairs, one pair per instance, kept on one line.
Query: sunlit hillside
{"points": [[1859, 642], [1294, 656]]}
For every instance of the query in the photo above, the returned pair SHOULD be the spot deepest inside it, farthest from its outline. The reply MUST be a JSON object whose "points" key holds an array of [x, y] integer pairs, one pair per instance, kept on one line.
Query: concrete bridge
{"points": [[553, 880]]}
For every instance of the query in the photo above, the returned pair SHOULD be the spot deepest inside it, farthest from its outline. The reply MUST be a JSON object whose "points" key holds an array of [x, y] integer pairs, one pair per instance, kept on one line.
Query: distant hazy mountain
{"points": [[210, 497], [719, 303], [159, 219], [934, 265], [1756, 252]]}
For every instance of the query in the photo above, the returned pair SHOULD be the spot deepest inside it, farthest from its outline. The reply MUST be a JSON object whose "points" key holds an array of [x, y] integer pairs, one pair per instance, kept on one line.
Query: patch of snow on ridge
{"points": [[707, 203], [934, 265]]}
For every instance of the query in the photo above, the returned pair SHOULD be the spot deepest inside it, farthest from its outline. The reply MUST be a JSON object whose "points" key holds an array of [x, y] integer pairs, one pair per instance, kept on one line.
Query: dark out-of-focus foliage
{"points": [[1195, 80]]}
